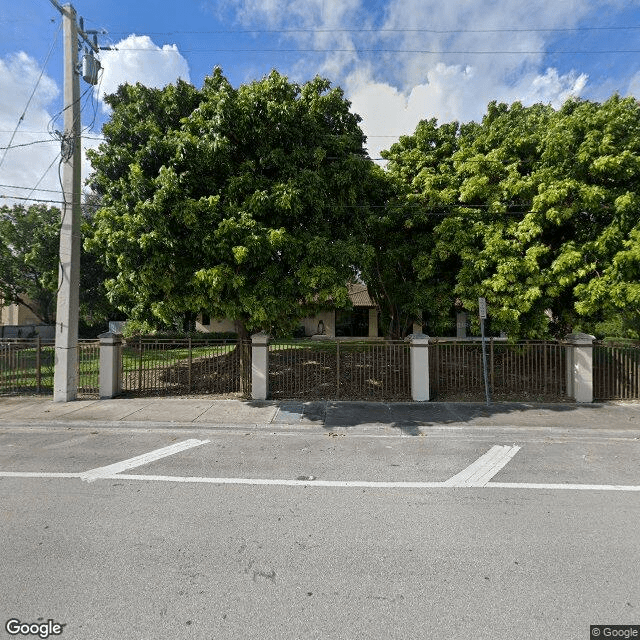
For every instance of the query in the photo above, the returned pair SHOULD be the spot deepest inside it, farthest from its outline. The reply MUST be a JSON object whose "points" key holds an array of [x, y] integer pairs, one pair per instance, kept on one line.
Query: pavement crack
{"points": [[271, 575]]}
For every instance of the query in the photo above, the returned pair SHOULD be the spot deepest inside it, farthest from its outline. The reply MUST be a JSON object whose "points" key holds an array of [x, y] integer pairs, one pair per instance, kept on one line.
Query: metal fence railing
{"points": [[616, 370], [27, 366], [344, 369], [186, 366], [340, 369], [522, 371]]}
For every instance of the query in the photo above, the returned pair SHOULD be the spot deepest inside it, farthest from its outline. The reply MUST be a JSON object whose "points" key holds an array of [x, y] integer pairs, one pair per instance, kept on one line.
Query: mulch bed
{"points": [[305, 374], [217, 375]]}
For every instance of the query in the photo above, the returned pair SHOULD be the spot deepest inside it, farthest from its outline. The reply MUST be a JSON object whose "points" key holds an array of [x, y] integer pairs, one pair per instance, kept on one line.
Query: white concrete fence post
{"points": [[260, 366], [110, 365], [419, 357], [580, 367]]}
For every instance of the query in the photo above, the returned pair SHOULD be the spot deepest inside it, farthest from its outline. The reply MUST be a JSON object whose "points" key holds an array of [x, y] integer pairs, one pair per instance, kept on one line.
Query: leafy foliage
{"points": [[29, 241], [534, 209], [240, 202]]}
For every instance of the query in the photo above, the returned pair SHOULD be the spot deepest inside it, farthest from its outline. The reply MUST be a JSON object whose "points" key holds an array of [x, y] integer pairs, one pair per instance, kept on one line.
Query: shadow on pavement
{"points": [[411, 418]]}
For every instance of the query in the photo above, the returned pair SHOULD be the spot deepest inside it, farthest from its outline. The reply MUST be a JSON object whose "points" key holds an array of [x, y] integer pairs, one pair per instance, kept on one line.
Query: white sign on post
{"points": [[482, 306]]}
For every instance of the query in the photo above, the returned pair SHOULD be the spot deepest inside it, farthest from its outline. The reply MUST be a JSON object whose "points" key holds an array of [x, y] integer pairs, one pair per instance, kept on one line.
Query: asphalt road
{"points": [[156, 533]]}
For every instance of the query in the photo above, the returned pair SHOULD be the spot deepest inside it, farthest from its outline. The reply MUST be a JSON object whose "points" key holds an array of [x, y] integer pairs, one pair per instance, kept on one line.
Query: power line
{"points": [[56, 158], [383, 30], [21, 118], [27, 144], [3, 197], [360, 50], [14, 186]]}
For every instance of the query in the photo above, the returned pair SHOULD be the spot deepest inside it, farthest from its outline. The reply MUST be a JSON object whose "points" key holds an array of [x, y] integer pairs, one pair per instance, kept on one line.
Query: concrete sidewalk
{"points": [[405, 417]]}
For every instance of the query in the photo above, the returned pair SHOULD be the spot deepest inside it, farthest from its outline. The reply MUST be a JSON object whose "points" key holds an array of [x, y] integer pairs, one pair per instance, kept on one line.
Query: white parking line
{"points": [[476, 475], [145, 458], [283, 482], [37, 474], [484, 468], [573, 487]]}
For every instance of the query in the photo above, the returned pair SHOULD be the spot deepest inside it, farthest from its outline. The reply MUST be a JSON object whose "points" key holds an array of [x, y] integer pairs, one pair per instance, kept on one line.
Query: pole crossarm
{"points": [[68, 10]]}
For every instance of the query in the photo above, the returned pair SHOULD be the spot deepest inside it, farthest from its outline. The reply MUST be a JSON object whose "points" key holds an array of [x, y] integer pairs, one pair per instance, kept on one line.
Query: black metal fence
{"points": [[534, 371], [340, 370], [27, 366], [186, 366], [616, 370], [333, 369]]}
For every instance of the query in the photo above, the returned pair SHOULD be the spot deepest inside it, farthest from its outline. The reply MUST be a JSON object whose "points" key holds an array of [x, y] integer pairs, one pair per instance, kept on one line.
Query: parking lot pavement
{"points": [[527, 459]]}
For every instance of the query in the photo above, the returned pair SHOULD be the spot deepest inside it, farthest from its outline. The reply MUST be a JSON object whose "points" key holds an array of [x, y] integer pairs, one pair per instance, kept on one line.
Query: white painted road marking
{"points": [[145, 458], [283, 482], [476, 475], [484, 468]]}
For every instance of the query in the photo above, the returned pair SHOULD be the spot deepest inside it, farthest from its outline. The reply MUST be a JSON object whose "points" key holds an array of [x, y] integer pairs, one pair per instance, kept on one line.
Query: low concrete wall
{"points": [[45, 331]]}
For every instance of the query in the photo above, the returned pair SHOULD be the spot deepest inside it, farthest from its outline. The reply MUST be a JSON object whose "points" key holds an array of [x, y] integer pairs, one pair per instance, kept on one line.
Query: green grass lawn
{"points": [[19, 369], [152, 357]]}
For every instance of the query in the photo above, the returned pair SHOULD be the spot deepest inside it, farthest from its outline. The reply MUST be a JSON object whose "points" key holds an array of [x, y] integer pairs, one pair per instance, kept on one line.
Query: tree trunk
{"points": [[189, 322]]}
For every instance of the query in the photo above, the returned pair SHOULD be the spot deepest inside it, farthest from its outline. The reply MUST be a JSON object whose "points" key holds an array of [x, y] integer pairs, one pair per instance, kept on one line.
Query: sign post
{"points": [[482, 310]]}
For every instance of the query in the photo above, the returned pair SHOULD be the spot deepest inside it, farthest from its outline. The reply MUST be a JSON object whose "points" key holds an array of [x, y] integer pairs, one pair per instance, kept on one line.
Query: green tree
{"points": [[403, 273], [541, 212], [95, 308], [29, 242], [242, 202]]}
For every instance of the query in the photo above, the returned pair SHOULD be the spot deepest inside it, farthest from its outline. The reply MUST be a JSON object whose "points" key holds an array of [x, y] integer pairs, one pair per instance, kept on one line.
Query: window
{"points": [[354, 322]]}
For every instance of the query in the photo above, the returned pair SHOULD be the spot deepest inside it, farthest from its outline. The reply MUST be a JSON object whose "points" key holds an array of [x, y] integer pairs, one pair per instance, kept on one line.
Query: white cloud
{"points": [[139, 59], [451, 93], [431, 67], [634, 86], [25, 163]]}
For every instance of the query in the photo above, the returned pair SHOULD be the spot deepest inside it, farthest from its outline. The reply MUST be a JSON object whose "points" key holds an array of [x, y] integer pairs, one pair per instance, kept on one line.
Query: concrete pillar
{"points": [[65, 377], [580, 367], [420, 391], [260, 366], [110, 365], [461, 324], [373, 323]]}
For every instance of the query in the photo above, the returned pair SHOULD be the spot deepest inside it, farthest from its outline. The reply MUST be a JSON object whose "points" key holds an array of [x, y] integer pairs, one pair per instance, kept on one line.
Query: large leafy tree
{"points": [[95, 307], [29, 241], [538, 212], [244, 203], [29, 247], [403, 271]]}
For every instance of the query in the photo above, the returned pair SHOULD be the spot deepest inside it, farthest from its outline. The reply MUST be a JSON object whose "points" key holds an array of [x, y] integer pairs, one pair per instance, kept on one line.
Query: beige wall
{"points": [[18, 314], [373, 323], [311, 324], [216, 326]]}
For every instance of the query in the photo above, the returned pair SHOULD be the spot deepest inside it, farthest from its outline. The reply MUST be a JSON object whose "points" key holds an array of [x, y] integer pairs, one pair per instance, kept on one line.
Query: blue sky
{"points": [[398, 61]]}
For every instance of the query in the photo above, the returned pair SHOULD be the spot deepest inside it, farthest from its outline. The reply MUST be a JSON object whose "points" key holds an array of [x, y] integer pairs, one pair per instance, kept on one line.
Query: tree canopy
{"points": [[243, 203], [29, 242], [535, 209], [260, 204]]}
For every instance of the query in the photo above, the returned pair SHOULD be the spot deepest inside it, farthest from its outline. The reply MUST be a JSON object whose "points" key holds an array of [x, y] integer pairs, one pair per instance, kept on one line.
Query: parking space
{"points": [[329, 456], [74, 451], [584, 462], [448, 459]]}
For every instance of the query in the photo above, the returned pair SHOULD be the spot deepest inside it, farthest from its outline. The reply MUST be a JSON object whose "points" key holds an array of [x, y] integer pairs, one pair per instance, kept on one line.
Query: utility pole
{"points": [[65, 381]]}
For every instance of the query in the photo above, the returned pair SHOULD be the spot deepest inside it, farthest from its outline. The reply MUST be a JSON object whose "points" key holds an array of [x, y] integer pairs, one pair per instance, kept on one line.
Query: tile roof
{"points": [[359, 295]]}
